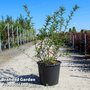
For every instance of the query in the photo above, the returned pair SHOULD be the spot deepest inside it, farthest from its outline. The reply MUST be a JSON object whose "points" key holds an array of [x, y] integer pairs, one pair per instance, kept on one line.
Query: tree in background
{"points": [[9, 20], [74, 30], [82, 30], [70, 30], [21, 22]]}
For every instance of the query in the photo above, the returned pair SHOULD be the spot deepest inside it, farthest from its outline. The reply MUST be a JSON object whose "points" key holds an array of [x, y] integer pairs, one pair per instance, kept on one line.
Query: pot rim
{"points": [[49, 64]]}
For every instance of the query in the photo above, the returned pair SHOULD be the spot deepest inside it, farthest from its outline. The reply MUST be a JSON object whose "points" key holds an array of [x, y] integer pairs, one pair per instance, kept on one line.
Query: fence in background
{"points": [[20, 38], [79, 42]]}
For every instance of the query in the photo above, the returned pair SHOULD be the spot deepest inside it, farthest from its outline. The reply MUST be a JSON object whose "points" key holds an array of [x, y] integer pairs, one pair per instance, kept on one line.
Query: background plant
{"points": [[25, 23]]}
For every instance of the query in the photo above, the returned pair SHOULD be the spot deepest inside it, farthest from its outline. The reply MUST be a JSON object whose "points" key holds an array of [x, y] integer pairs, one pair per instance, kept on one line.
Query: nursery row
{"points": [[79, 41], [12, 37]]}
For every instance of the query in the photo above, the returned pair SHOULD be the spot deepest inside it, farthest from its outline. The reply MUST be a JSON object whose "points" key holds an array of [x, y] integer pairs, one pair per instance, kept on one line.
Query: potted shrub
{"points": [[50, 40]]}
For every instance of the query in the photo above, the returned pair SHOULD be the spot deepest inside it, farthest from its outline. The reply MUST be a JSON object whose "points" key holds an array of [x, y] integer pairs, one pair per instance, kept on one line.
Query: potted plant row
{"points": [[50, 41]]}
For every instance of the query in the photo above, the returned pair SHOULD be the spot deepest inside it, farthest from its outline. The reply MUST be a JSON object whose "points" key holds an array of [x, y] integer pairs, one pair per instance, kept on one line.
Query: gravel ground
{"points": [[21, 63]]}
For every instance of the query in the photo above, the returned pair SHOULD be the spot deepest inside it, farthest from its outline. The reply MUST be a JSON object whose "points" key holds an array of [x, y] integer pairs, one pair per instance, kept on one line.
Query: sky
{"points": [[40, 8]]}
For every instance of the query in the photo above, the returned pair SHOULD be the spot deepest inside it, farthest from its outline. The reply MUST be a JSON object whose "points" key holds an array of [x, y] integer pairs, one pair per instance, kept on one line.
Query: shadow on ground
{"points": [[78, 60], [10, 75], [80, 76], [32, 79]]}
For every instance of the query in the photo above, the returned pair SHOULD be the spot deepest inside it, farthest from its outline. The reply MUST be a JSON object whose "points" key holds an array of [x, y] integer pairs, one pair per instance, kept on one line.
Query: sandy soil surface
{"points": [[21, 63]]}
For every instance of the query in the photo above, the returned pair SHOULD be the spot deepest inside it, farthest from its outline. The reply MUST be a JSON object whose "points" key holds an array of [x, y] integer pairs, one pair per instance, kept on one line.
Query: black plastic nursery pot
{"points": [[49, 74]]}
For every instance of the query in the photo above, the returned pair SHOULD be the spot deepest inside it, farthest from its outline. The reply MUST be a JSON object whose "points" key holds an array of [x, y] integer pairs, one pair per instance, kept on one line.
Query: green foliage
{"points": [[47, 84], [70, 30], [14, 45], [70, 16], [82, 30], [51, 36], [74, 30], [89, 31], [21, 22], [67, 53], [9, 20], [42, 34], [28, 22]]}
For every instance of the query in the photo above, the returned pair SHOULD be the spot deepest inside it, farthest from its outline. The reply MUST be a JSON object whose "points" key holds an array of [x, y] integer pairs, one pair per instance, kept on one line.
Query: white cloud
{"points": [[74, 23]]}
